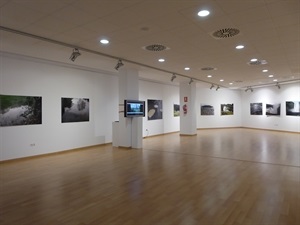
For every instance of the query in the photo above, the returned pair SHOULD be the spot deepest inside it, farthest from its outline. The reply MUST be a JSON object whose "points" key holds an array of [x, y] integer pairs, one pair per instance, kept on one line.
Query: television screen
{"points": [[134, 108]]}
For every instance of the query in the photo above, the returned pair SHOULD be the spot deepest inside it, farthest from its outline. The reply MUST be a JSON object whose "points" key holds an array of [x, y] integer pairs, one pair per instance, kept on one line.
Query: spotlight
{"points": [[191, 81], [212, 86], [119, 64], [173, 77], [277, 85], [74, 54], [218, 88]]}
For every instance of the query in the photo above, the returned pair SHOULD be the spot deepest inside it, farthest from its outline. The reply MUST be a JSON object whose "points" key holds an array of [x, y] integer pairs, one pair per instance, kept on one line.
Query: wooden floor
{"points": [[219, 177]]}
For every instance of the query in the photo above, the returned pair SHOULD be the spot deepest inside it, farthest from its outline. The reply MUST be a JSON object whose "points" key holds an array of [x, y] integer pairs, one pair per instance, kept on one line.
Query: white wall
{"points": [[169, 94], [26, 76], [29, 77], [216, 98], [273, 95]]}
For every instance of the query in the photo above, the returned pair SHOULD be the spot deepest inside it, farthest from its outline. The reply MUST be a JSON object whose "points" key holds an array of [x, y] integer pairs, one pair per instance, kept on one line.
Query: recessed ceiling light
{"points": [[240, 47], [264, 71], [271, 75], [230, 83], [187, 68], [209, 76], [104, 41], [203, 13], [275, 80], [221, 80], [161, 60], [253, 60]]}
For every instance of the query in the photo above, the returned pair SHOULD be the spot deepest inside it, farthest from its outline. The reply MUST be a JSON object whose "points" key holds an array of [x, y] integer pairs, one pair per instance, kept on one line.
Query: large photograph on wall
{"points": [[20, 110], [273, 109], [292, 108], [176, 110], [207, 110], [226, 109], [155, 109], [74, 110], [256, 109]]}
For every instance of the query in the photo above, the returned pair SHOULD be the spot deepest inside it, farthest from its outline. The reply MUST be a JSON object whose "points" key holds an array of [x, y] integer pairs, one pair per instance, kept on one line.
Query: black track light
{"points": [[74, 54]]}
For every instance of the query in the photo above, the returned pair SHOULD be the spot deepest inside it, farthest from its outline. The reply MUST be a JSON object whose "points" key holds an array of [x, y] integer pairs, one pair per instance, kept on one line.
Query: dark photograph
{"points": [[273, 109], [20, 110], [256, 109], [226, 109], [74, 110], [293, 108], [207, 110], [155, 109]]}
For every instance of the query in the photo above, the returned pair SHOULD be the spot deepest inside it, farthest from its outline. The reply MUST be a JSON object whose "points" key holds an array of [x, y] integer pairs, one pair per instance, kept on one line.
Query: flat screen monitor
{"points": [[134, 108]]}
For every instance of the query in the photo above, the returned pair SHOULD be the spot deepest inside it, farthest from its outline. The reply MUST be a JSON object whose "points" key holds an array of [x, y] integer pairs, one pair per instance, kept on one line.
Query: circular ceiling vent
{"points": [[225, 33], [208, 68], [155, 47], [258, 62]]}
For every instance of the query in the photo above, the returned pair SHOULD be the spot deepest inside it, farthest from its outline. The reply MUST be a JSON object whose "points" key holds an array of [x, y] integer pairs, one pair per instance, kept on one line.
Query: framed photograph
{"points": [[207, 110], [75, 110], [226, 109], [273, 109], [256, 109], [292, 108], [155, 109], [176, 110], [20, 110]]}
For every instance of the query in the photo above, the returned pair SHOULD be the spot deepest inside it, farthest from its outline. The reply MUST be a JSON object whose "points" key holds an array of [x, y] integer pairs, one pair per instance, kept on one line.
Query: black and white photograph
{"points": [[155, 109], [207, 110], [226, 109], [176, 110], [256, 109], [292, 108], [273, 109], [74, 110], [20, 110]]}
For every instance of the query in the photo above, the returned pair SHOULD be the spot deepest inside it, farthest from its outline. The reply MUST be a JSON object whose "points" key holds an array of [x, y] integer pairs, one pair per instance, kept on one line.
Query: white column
{"points": [[188, 111], [129, 129]]}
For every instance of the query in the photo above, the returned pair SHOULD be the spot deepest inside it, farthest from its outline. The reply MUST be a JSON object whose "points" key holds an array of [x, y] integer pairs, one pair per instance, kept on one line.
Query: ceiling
{"points": [[269, 30]]}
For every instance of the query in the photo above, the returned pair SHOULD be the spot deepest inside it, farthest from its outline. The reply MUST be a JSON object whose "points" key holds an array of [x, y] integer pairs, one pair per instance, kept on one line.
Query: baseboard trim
{"points": [[283, 131], [51, 153], [214, 128], [156, 135]]}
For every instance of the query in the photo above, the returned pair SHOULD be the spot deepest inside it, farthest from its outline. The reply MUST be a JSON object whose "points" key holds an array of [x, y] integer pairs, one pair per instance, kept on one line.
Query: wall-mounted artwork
{"points": [[226, 109], [256, 109], [292, 108], [74, 110], [273, 109], [207, 110], [155, 109], [176, 110], [20, 110]]}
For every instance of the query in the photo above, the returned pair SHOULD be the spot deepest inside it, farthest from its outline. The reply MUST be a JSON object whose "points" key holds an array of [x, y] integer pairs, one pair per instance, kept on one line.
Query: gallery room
{"points": [[149, 112]]}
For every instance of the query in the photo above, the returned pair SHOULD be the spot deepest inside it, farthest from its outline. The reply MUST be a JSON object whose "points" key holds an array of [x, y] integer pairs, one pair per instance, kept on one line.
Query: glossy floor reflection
{"points": [[219, 177], [239, 144]]}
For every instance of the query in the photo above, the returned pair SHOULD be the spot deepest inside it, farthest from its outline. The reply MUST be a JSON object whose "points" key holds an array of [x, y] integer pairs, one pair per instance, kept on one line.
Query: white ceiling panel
{"points": [[46, 7], [269, 29], [17, 16]]}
